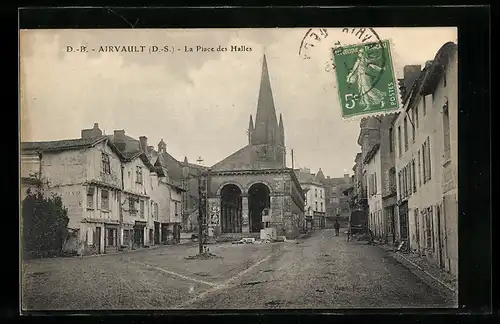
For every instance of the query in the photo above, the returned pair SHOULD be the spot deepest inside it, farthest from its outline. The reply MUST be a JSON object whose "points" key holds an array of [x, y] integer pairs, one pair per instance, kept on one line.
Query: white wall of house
{"points": [[433, 229], [376, 219], [449, 162], [69, 174], [137, 188], [175, 206], [160, 194], [316, 198]]}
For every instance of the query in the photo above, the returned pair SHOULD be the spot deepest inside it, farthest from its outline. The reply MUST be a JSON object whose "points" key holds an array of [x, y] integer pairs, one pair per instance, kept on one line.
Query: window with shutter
{"points": [[131, 206], [410, 192], [413, 124], [424, 162], [400, 150], [138, 174], [106, 166], [405, 125], [419, 169], [104, 199], [429, 167], [90, 197], [414, 175], [446, 131], [141, 208]]}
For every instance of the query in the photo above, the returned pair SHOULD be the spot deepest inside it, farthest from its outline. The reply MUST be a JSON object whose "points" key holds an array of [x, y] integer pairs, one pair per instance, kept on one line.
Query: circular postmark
{"points": [[315, 40], [362, 63]]}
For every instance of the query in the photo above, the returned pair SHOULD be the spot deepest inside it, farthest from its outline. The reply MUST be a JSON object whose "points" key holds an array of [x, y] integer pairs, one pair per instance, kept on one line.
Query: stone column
{"points": [[245, 225]]}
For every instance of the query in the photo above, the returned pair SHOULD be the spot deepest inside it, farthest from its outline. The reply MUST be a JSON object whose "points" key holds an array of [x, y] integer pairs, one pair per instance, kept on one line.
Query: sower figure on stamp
{"points": [[368, 95], [336, 226]]}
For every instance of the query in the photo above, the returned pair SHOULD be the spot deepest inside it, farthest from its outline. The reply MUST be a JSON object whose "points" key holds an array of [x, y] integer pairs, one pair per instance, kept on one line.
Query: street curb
{"points": [[422, 274]]}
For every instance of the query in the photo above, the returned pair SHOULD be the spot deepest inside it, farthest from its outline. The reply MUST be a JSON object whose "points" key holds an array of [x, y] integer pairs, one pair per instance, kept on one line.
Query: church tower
{"points": [[266, 135], [266, 130]]}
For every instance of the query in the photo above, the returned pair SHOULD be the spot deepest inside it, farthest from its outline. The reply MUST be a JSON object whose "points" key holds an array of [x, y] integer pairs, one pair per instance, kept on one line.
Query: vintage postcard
{"points": [[284, 168]]}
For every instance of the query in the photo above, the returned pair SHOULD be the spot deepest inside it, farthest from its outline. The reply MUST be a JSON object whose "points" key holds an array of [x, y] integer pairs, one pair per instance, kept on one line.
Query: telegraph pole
{"points": [[292, 161], [200, 215], [202, 208], [120, 224]]}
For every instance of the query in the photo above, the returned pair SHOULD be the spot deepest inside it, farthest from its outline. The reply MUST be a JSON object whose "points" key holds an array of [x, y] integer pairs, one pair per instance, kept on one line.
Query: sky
{"points": [[199, 103]]}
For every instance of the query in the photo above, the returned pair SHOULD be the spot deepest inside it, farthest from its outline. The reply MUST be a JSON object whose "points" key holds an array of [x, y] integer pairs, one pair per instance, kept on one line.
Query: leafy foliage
{"points": [[44, 223]]}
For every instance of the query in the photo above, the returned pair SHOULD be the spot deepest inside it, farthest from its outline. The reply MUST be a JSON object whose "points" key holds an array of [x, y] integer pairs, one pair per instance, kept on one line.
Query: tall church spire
{"points": [[266, 125]]}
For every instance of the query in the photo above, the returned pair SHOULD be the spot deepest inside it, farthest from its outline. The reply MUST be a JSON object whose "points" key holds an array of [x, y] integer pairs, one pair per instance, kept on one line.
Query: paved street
{"points": [[322, 271]]}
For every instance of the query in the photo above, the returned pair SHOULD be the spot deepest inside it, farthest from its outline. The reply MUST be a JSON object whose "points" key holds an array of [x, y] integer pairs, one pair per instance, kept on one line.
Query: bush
{"points": [[44, 225]]}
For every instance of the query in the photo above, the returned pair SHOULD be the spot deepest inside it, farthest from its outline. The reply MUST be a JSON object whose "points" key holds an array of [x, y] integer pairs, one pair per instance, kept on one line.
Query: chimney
{"points": [[119, 136], [347, 178], [143, 143], [93, 132], [410, 74]]}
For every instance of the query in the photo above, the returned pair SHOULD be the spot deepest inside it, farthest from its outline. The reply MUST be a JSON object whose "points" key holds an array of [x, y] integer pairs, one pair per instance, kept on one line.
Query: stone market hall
{"points": [[252, 188]]}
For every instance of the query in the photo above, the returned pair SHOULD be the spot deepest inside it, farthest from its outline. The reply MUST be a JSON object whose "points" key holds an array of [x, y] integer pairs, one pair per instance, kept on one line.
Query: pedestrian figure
{"points": [[336, 226], [81, 250], [348, 232]]}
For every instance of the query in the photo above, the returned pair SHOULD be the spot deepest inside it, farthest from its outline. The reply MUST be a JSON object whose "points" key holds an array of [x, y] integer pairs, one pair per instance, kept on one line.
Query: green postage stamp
{"points": [[365, 77]]}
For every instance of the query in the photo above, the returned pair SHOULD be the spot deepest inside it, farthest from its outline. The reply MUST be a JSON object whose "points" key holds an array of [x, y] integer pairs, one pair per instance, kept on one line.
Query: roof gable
{"points": [[250, 157], [132, 156], [62, 145]]}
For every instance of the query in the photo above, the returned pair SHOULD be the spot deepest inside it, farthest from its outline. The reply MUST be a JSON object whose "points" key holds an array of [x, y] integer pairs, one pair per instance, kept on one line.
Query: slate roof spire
{"points": [[266, 124]]}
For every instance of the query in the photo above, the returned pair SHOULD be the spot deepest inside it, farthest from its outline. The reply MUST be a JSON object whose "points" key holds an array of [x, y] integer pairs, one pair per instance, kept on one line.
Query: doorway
{"points": [[157, 233], [139, 236], [231, 209], [403, 224], [258, 200], [441, 256], [97, 239]]}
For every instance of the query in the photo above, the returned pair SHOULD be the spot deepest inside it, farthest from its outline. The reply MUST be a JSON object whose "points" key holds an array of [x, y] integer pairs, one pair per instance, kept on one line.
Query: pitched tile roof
{"points": [[305, 177], [67, 144]]}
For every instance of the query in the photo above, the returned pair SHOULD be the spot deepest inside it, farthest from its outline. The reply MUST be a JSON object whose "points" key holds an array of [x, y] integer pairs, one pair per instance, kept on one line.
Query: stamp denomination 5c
{"points": [[366, 80]]}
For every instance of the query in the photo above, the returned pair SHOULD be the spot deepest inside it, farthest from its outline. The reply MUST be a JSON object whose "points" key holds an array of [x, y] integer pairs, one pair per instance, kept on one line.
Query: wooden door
{"points": [[98, 239]]}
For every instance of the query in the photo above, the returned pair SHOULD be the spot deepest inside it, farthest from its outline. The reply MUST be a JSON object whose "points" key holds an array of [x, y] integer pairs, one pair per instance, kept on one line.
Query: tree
{"points": [[44, 223]]}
